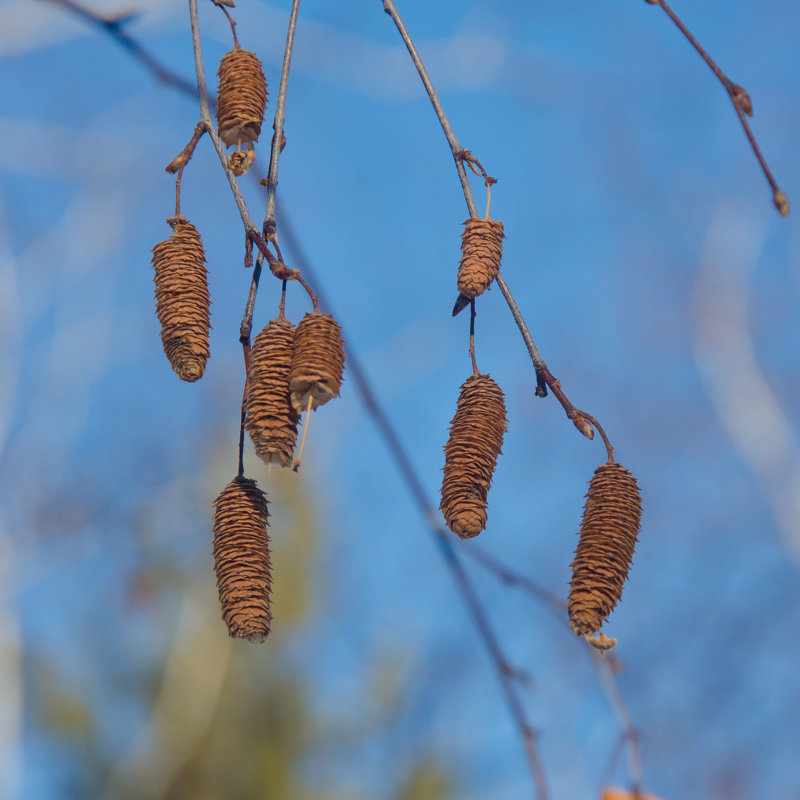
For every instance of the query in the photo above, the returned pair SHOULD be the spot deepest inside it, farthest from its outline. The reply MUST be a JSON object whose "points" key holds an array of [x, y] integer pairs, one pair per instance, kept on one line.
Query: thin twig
{"points": [[472, 336], [544, 377], [741, 103], [445, 546], [630, 732], [114, 27], [277, 125], [388, 433]]}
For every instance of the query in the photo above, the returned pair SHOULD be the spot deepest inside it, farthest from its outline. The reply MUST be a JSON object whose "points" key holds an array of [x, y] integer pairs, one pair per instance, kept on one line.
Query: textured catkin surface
{"points": [[241, 559], [182, 299], [317, 361], [608, 535], [242, 97], [481, 252], [271, 419], [476, 439]]}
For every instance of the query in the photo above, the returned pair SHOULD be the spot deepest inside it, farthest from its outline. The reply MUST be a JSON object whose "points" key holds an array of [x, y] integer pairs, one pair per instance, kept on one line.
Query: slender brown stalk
{"points": [[741, 103], [277, 125], [544, 377]]}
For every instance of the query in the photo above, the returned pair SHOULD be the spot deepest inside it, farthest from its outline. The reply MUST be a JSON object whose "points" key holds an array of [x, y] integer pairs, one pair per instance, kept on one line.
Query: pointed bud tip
{"points": [[781, 203], [584, 426]]}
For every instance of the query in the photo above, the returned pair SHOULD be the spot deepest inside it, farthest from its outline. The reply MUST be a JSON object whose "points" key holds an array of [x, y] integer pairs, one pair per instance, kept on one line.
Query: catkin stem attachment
{"points": [[608, 535], [476, 439]]}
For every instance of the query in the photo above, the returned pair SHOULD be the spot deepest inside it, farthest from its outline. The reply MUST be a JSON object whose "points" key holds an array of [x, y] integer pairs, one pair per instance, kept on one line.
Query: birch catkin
{"points": [[241, 559], [476, 439], [317, 361], [481, 252], [242, 97], [271, 419], [182, 299], [608, 537]]}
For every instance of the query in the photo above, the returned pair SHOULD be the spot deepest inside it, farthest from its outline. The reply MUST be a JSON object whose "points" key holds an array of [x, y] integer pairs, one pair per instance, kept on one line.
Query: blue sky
{"points": [[642, 246]]}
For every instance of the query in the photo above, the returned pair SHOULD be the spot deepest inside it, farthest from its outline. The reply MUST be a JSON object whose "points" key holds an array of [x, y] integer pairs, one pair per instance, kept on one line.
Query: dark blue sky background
{"points": [[657, 279]]}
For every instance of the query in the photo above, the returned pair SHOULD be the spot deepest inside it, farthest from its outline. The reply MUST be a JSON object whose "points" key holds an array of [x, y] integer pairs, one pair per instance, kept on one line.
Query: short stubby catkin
{"points": [[481, 252], [476, 439], [608, 536], [241, 559], [183, 304], [317, 361], [242, 97], [271, 419]]}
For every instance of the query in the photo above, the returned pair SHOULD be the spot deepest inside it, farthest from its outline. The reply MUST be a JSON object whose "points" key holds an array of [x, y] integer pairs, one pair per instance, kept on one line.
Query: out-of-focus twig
{"points": [[742, 104]]}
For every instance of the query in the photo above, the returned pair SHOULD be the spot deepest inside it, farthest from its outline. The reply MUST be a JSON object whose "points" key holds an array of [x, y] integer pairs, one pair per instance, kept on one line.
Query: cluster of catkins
{"points": [[613, 508], [291, 370]]}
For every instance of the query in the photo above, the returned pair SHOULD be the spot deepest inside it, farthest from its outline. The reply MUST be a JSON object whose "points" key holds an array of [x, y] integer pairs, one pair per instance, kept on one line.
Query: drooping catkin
{"points": [[182, 299], [476, 439], [317, 361], [271, 419], [242, 97], [481, 251], [608, 535], [241, 559]]}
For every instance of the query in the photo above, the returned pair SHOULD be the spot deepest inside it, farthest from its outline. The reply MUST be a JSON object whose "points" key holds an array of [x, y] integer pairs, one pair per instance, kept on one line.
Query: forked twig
{"points": [[741, 103]]}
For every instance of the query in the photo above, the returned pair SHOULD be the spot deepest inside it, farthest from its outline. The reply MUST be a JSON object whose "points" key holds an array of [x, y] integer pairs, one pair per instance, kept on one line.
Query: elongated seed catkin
{"points": [[476, 439], [317, 361], [608, 536], [481, 252], [241, 559], [182, 299], [271, 419], [242, 97]]}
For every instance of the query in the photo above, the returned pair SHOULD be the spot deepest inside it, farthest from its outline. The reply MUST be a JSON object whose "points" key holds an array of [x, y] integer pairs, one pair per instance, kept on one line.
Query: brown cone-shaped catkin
{"points": [[476, 439], [603, 557], [182, 299], [241, 559], [317, 361], [242, 97], [481, 251], [271, 420]]}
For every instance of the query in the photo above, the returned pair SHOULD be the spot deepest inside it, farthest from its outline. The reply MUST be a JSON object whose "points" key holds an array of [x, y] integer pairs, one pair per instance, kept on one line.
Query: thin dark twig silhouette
{"points": [[741, 103], [394, 444]]}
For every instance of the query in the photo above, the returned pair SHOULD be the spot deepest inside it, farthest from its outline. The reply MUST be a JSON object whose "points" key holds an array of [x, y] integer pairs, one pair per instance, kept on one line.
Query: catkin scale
{"points": [[608, 536], [182, 299], [317, 361], [242, 97], [481, 252], [475, 442], [241, 559], [271, 419]]}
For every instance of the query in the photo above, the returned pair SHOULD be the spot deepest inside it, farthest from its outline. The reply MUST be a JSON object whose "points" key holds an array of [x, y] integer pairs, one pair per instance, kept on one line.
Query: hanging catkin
{"points": [[182, 299], [603, 557], [481, 251], [271, 420], [317, 361], [476, 439], [242, 97], [241, 559]]}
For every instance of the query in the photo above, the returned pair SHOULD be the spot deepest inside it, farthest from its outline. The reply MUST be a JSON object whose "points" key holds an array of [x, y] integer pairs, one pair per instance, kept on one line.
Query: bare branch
{"points": [[741, 103], [278, 139]]}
